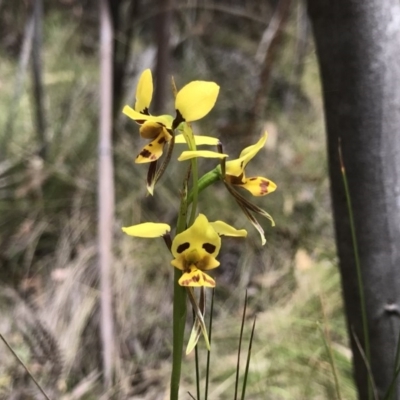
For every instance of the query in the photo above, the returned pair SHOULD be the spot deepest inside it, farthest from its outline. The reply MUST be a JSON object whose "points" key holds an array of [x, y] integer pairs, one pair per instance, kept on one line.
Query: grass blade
{"points": [[246, 372], [358, 267], [240, 347], [328, 346], [390, 394], [371, 381], [202, 304], [196, 353], [199, 317], [209, 352]]}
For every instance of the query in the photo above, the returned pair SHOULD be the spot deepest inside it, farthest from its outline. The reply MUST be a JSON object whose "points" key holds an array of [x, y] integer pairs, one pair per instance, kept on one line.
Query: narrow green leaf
{"points": [[246, 373]]}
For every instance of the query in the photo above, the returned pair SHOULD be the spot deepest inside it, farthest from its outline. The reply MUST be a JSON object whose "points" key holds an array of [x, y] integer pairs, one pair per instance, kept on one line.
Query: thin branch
{"points": [[265, 56], [24, 366]]}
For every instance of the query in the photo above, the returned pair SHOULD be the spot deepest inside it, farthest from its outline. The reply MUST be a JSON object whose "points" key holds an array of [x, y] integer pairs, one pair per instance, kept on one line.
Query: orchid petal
{"points": [[153, 151], [196, 99], [196, 278], [258, 186], [147, 230], [200, 236], [139, 118], [150, 130], [199, 140], [188, 154], [224, 229], [144, 92], [236, 167]]}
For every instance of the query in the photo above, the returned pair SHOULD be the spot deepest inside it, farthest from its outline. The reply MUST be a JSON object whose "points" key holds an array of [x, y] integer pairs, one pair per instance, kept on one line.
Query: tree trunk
{"points": [[106, 193], [358, 47]]}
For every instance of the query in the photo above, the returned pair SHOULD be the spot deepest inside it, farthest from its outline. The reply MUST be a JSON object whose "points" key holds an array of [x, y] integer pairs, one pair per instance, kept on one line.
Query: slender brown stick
{"points": [[106, 191], [266, 55], [24, 366]]}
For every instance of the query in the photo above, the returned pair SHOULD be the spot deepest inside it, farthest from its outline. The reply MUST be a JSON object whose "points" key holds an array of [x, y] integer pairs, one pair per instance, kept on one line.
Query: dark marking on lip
{"points": [[145, 153], [209, 248], [182, 247], [264, 187]]}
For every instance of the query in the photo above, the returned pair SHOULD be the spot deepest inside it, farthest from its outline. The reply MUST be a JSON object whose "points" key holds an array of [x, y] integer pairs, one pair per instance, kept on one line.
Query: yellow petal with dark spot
{"points": [[147, 230], [196, 99], [144, 92], [187, 155], [150, 130], [196, 278], [153, 151], [201, 236], [259, 186]]}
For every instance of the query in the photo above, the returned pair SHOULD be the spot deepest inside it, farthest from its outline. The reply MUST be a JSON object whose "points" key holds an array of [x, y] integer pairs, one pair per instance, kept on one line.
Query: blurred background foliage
{"points": [[48, 202]]}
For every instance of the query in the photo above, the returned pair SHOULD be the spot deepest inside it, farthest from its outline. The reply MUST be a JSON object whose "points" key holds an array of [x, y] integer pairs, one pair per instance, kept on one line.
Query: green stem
{"points": [[195, 190], [358, 268], [206, 180], [179, 313]]}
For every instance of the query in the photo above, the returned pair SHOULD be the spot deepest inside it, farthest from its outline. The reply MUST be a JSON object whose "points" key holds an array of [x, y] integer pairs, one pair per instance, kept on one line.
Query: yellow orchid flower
{"points": [[194, 250], [235, 169], [192, 102], [235, 174]]}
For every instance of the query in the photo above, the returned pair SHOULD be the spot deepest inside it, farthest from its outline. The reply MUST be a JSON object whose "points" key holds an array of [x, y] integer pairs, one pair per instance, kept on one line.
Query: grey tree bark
{"points": [[358, 48]]}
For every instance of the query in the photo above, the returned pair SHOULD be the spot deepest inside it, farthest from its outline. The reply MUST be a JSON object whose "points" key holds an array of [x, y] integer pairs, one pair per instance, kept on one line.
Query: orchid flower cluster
{"points": [[197, 241]]}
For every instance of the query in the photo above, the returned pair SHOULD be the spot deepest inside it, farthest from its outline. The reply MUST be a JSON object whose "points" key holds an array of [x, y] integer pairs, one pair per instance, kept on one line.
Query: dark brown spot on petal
{"points": [[196, 278], [150, 145], [182, 247], [241, 164], [264, 187], [252, 179], [145, 111], [145, 153], [235, 180], [161, 140], [209, 248]]}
